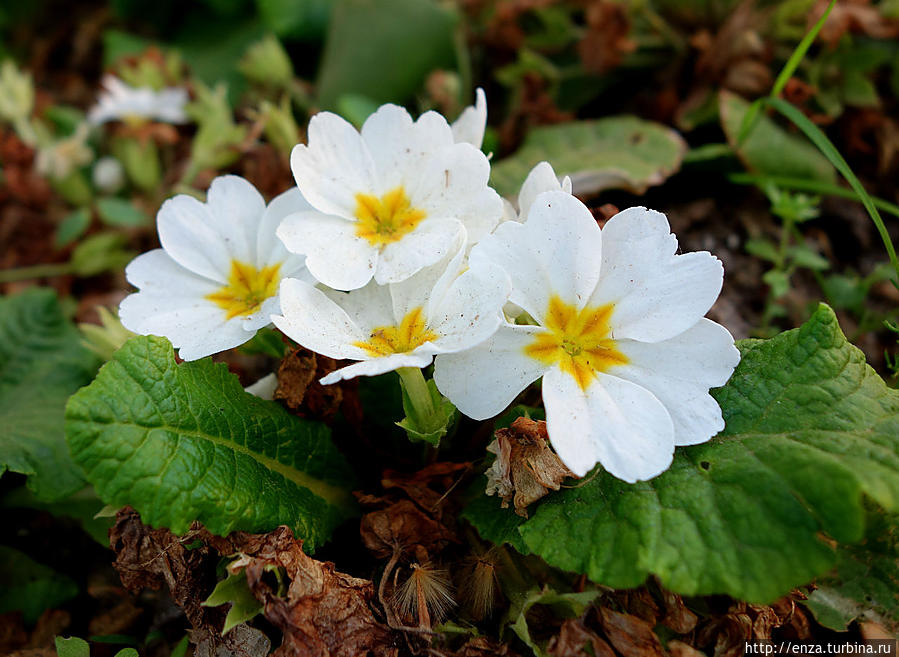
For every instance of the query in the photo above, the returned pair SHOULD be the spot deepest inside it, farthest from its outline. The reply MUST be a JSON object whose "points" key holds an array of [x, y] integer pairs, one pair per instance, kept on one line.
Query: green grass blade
{"points": [[830, 151], [813, 186], [793, 62]]}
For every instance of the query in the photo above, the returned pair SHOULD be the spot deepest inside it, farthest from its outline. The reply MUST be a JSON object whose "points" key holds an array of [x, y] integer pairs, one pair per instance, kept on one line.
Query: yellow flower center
{"points": [[577, 341], [247, 288], [386, 219], [410, 334]]}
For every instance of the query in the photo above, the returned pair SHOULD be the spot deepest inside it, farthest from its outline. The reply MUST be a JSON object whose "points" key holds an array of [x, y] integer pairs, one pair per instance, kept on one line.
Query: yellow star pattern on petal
{"points": [[386, 219], [577, 341], [247, 288], [410, 334]]}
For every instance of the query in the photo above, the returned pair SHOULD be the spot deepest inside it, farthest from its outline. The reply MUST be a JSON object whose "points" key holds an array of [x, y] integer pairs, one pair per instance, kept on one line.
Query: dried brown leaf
{"points": [[677, 617], [630, 636], [525, 469], [605, 41], [429, 486], [484, 647], [681, 649], [299, 387], [573, 640], [402, 527]]}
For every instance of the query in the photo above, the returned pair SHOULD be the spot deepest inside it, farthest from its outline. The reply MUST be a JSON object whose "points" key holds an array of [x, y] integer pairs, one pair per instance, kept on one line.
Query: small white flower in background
{"points": [[59, 158], [108, 174], [626, 357], [438, 310], [387, 201], [215, 280], [120, 102], [472, 122]]}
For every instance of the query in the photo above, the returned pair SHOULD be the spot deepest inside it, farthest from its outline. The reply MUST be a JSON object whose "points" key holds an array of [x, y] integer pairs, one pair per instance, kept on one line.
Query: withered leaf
{"points": [[483, 647], [299, 387], [525, 469], [573, 640], [427, 487], [630, 636], [677, 617], [402, 526], [681, 649], [605, 42], [326, 613]]}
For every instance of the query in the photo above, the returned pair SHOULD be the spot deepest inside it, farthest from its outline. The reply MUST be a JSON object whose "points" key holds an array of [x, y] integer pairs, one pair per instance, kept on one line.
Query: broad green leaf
{"points": [[493, 523], [42, 362], [121, 212], [30, 587], [768, 149], [235, 591], [100, 253], [72, 227], [295, 20], [384, 50], [82, 506], [865, 583], [72, 647], [185, 442], [811, 433], [619, 152]]}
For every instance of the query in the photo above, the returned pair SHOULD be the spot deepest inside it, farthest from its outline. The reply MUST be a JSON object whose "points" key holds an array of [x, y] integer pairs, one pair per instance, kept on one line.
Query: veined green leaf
{"points": [[185, 442], [811, 433], [42, 362]]}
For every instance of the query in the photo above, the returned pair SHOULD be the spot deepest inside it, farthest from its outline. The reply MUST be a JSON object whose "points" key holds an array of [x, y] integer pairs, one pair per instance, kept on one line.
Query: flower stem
{"points": [[413, 382], [35, 271]]}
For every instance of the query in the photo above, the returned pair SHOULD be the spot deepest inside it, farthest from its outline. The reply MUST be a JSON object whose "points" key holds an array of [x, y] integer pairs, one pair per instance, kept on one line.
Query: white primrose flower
{"points": [[540, 179], [387, 201], [472, 122], [440, 309], [215, 280], [121, 102], [626, 357]]}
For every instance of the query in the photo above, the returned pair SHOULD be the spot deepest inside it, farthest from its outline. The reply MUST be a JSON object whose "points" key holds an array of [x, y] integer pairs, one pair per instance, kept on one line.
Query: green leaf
{"points": [[769, 149], [865, 582], [72, 647], [127, 652], [235, 591], [619, 152], [82, 506], [41, 363], [778, 281], [72, 227], [267, 342], [121, 212], [763, 248], [811, 433], [185, 442], [100, 253], [805, 256], [565, 605], [493, 523], [295, 20], [30, 587], [367, 40]]}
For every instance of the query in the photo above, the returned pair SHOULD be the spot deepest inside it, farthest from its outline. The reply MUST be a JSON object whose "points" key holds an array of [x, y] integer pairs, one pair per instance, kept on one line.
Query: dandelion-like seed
{"points": [[480, 585], [425, 595]]}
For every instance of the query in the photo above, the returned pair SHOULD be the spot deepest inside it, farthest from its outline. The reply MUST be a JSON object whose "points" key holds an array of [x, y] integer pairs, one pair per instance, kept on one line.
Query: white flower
{"points": [[626, 357], [472, 122], [385, 327], [59, 158], [108, 174], [215, 280], [121, 102], [541, 179], [388, 201]]}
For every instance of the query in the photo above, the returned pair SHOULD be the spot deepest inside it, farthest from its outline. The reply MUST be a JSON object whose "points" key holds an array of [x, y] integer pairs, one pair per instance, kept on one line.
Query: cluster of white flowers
{"points": [[394, 252]]}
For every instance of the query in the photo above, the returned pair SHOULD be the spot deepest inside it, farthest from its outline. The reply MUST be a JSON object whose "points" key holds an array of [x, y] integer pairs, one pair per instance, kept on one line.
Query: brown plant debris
{"points": [[525, 469], [629, 635], [605, 42], [428, 487], [402, 527], [576, 640], [299, 387]]}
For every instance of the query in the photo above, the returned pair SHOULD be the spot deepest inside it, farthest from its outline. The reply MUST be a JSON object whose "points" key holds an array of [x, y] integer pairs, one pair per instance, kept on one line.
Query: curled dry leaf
{"points": [[575, 640], [681, 649], [525, 469], [428, 487], [677, 617], [299, 387], [402, 527], [326, 613], [483, 647], [629, 635], [640, 603]]}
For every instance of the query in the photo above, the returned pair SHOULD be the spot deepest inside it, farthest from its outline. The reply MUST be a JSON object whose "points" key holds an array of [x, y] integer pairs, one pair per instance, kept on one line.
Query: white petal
{"points": [[471, 310], [263, 316], [401, 148], [656, 293], [335, 255], [375, 366], [334, 167], [680, 371], [195, 325], [187, 233], [270, 249], [429, 284], [157, 272], [428, 244], [265, 387], [236, 208], [369, 307], [453, 185], [614, 422], [472, 122], [484, 380], [556, 251], [316, 322], [541, 179]]}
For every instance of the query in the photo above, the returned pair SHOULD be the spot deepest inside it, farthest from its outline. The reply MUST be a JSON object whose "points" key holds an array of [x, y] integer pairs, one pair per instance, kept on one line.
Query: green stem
{"points": [[35, 271], [416, 388]]}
